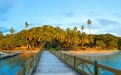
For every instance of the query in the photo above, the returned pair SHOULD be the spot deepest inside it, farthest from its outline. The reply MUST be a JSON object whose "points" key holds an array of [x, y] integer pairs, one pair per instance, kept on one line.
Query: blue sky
{"points": [[104, 14]]}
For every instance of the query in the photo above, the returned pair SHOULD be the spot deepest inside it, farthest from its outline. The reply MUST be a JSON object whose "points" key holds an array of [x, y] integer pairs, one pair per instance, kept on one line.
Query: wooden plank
{"points": [[69, 61], [109, 69], [89, 69], [49, 64], [82, 71]]}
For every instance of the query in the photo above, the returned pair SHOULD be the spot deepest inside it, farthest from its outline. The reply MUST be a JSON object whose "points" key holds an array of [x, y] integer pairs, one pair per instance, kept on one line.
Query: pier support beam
{"points": [[96, 69], [74, 62]]}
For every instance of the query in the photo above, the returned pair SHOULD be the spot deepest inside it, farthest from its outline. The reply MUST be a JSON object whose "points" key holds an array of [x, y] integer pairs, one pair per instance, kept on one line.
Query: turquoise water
{"points": [[10, 66], [112, 60]]}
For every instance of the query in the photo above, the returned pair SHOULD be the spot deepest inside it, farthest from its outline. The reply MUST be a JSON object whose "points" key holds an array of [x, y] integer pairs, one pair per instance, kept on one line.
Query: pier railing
{"points": [[85, 66], [29, 66]]}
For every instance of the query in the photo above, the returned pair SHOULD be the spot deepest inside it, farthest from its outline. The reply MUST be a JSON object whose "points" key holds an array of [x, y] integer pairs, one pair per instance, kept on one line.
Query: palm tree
{"points": [[73, 37], [26, 25], [11, 30], [85, 39], [1, 32], [82, 39], [27, 34], [59, 35], [89, 23], [67, 37], [82, 28]]}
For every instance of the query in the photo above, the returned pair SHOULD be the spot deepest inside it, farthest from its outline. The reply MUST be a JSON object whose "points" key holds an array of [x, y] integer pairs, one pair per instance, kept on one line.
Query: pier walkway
{"points": [[49, 64]]}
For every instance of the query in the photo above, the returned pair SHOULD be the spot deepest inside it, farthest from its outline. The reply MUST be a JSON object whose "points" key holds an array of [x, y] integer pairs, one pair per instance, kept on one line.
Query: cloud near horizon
{"points": [[4, 29], [108, 22]]}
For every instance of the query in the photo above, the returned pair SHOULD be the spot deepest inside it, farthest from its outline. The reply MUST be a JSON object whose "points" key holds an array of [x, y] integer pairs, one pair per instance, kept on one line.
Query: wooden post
{"points": [[83, 66], [24, 69], [96, 69], [65, 57], [33, 62], [38, 54], [74, 62], [57, 53], [41, 53], [0, 55], [60, 55]]}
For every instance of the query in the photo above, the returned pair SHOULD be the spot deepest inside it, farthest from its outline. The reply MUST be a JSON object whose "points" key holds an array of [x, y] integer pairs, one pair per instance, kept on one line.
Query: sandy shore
{"points": [[90, 52]]}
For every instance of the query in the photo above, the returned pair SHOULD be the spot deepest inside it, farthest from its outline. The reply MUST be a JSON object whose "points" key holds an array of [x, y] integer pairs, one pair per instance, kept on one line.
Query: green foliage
{"points": [[69, 38], [13, 40], [119, 41], [56, 48], [1, 35], [49, 45], [107, 40]]}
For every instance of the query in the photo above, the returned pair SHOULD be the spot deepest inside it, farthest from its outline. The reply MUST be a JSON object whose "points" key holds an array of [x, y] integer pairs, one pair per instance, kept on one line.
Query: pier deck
{"points": [[49, 64]]}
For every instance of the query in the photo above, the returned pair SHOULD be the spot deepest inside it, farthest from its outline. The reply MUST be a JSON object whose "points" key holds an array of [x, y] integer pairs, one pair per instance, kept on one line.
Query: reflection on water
{"points": [[10, 66], [112, 60]]}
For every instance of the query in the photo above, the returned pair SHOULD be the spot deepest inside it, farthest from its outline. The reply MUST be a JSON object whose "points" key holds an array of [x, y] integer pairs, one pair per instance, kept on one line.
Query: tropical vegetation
{"points": [[57, 38]]}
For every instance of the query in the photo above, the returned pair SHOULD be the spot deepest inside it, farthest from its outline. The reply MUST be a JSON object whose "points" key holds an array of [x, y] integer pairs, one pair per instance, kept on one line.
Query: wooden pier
{"points": [[49, 64], [83, 66], [46, 63]]}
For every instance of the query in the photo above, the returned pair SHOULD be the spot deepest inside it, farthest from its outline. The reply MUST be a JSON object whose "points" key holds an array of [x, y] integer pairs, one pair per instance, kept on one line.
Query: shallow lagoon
{"points": [[112, 60], [10, 66]]}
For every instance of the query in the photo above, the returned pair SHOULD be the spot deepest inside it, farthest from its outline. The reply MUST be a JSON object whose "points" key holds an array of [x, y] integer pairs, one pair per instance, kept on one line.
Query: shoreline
{"points": [[91, 52]]}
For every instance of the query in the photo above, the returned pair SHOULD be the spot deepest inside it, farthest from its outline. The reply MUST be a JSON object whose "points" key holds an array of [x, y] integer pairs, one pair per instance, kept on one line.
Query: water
{"points": [[10, 66], [112, 60]]}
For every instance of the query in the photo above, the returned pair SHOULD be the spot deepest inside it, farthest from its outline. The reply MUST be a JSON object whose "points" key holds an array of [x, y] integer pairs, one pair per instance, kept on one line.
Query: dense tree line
{"points": [[55, 37]]}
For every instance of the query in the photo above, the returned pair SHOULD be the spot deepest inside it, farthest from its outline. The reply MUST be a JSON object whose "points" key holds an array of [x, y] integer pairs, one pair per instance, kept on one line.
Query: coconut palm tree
{"points": [[67, 37], [59, 35], [89, 23], [82, 38], [26, 25], [1, 32], [85, 39], [82, 28], [73, 37], [11, 30]]}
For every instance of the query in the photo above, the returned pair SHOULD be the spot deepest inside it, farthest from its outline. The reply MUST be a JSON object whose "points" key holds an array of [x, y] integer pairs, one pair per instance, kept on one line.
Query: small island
{"points": [[56, 38]]}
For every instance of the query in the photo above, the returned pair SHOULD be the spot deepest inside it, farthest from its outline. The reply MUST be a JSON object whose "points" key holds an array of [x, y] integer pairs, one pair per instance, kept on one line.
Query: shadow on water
{"points": [[11, 65]]}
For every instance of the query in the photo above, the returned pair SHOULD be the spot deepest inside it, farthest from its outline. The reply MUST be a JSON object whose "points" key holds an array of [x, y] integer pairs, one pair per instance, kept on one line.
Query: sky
{"points": [[104, 14]]}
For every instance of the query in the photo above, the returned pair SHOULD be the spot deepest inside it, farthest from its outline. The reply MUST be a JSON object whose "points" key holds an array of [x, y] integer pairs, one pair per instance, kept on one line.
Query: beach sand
{"points": [[90, 52]]}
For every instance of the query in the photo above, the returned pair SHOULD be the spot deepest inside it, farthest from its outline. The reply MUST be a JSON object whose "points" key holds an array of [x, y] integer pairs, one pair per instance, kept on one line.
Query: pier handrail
{"points": [[29, 66], [80, 64]]}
